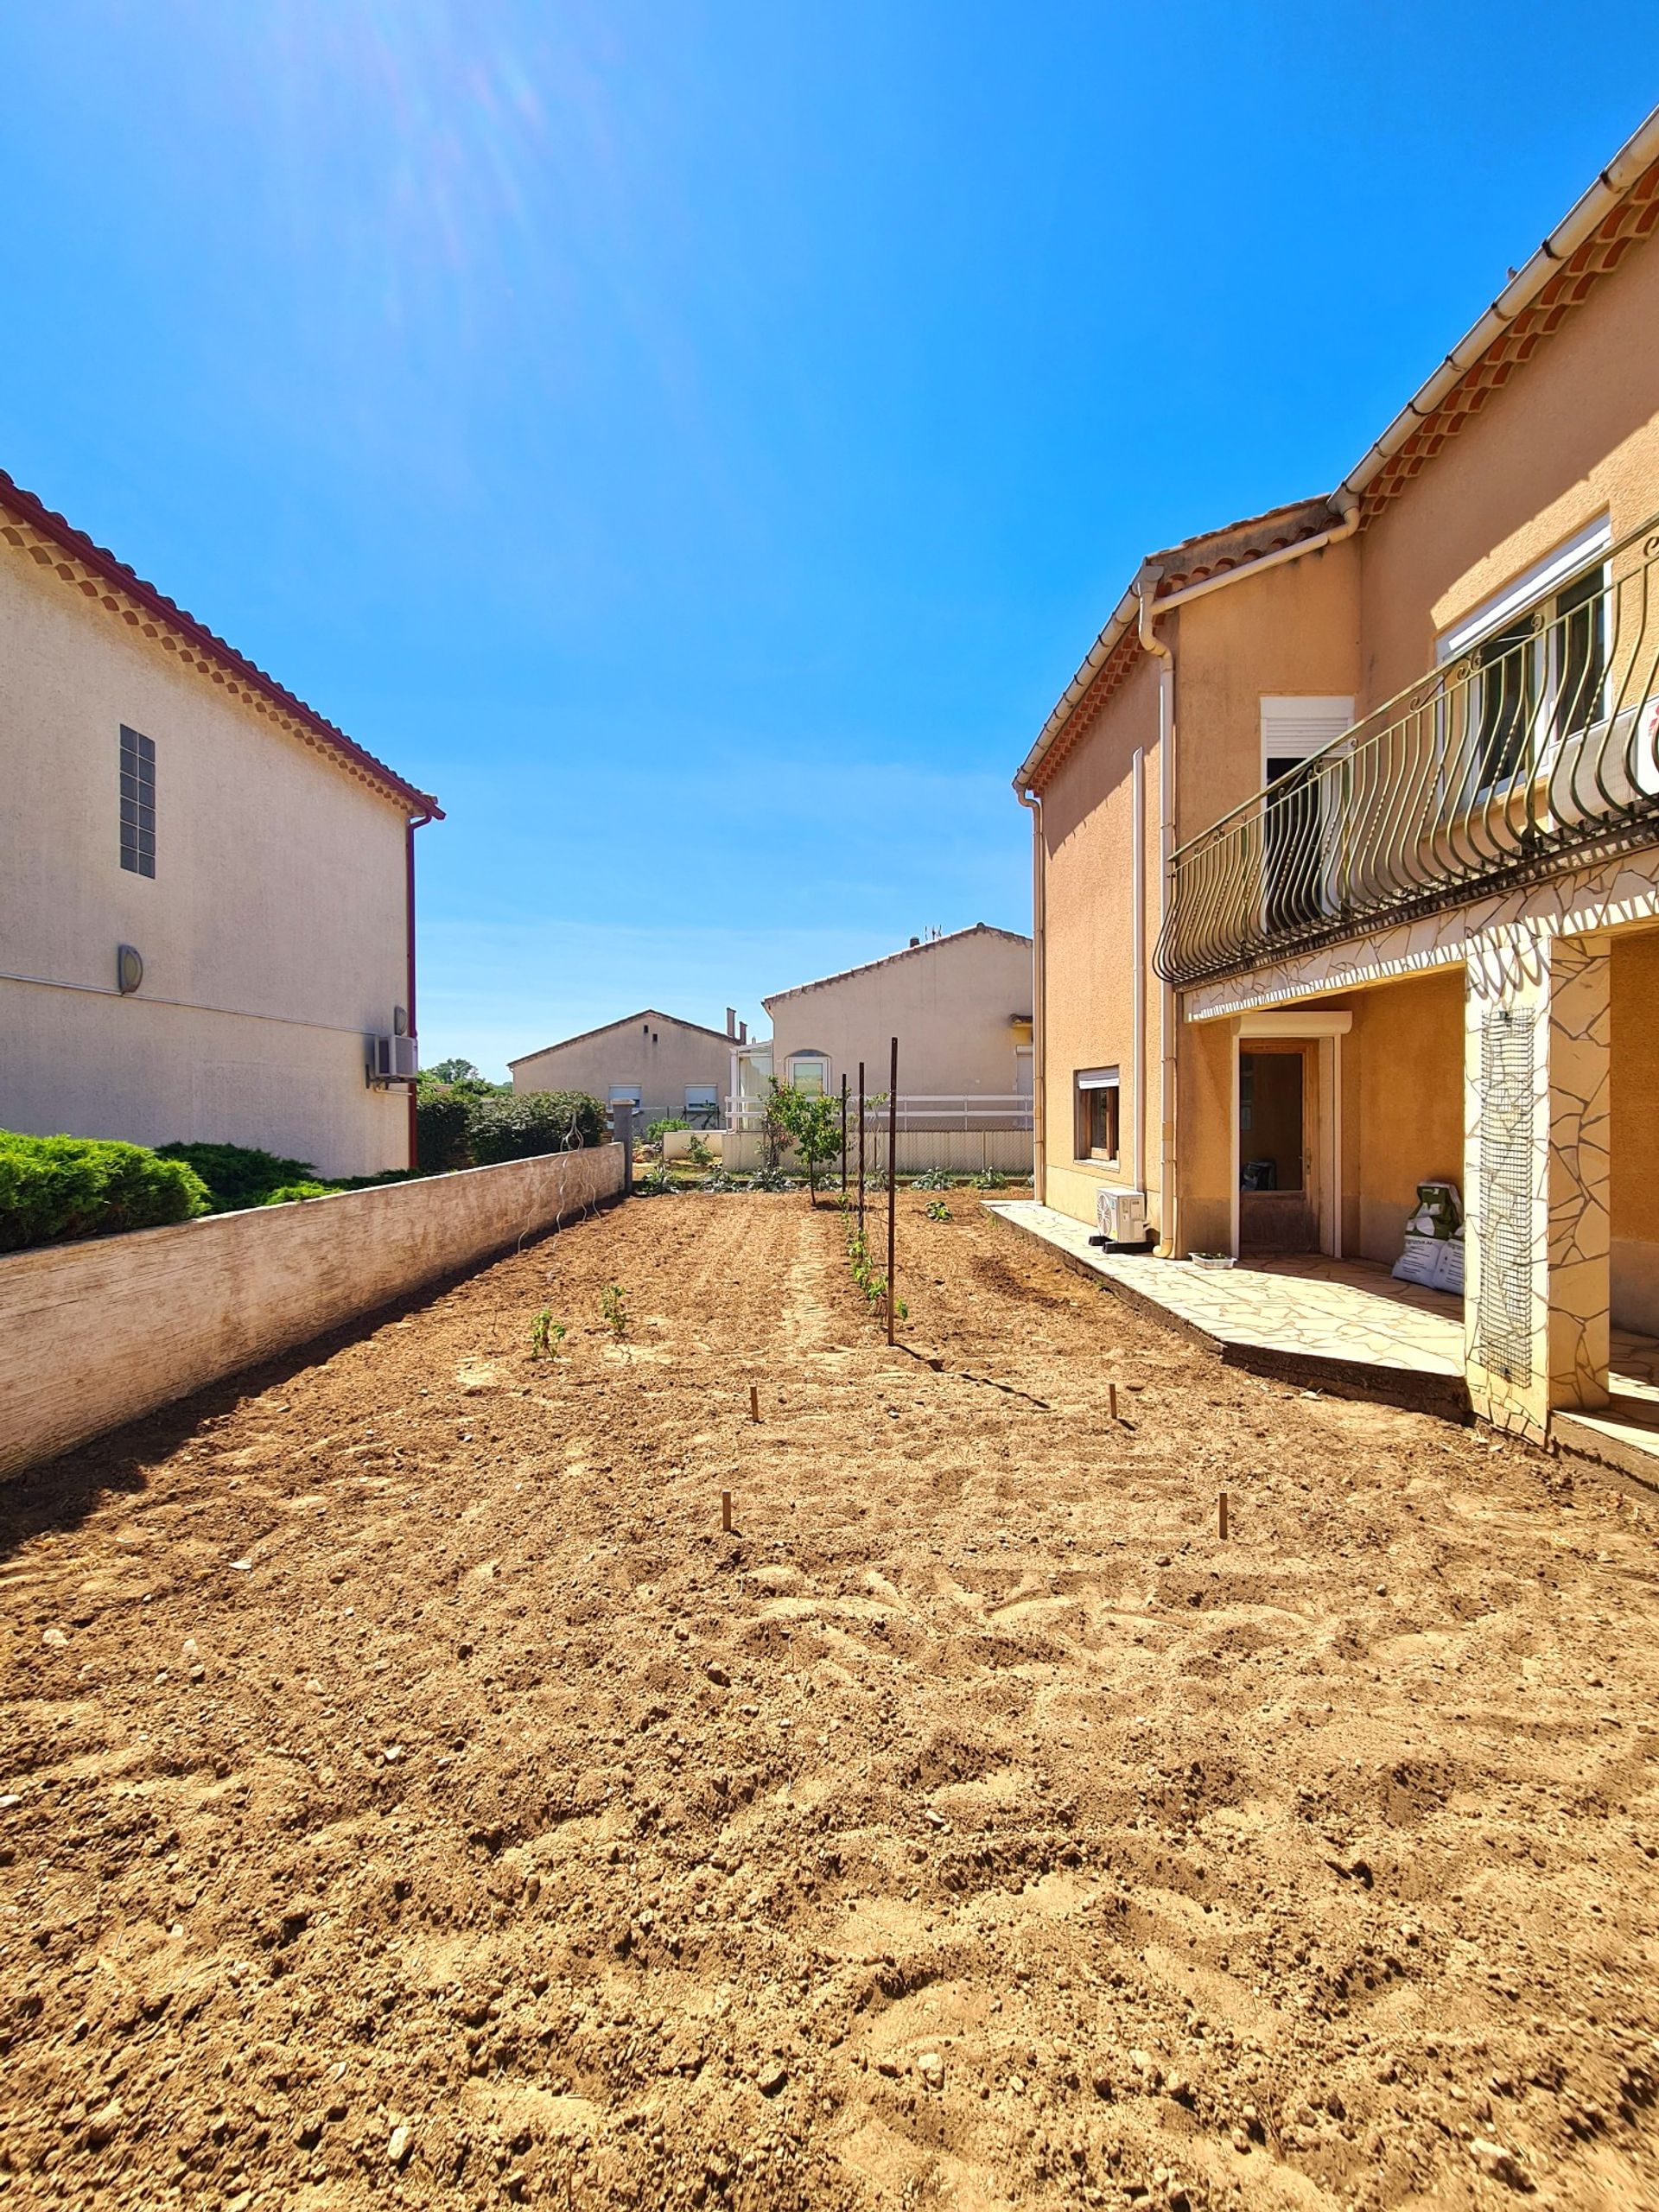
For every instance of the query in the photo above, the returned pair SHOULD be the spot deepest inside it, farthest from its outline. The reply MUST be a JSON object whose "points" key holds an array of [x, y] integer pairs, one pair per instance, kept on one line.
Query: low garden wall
{"points": [[95, 1333]]}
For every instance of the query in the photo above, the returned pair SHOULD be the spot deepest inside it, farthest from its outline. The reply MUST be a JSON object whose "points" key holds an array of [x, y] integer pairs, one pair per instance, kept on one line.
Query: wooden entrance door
{"points": [[1277, 1118]]}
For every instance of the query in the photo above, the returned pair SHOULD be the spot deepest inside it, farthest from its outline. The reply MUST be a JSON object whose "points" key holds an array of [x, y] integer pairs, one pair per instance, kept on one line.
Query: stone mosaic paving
{"points": [[1351, 1310]]}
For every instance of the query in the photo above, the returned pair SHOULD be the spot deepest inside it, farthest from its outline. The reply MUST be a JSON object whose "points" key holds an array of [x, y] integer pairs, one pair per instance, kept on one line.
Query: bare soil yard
{"points": [[410, 1794]]}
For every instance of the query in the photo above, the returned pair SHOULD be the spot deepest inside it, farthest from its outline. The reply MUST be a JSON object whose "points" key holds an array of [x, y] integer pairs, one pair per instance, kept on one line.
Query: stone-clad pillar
{"points": [[1536, 1089]]}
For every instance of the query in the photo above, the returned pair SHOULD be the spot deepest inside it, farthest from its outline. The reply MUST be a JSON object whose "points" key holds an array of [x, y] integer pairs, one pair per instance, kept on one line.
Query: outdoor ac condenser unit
{"points": [[392, 1059], [1121, 1217]]}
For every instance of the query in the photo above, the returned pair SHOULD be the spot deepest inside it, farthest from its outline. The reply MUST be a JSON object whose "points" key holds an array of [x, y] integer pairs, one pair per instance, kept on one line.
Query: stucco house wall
{"points": [[659, 1053], [273, 933], [952, 1001]]}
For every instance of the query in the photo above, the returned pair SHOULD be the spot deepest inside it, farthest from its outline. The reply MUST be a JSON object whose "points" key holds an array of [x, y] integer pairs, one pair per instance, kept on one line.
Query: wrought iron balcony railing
{"points": [[1531, 752]]}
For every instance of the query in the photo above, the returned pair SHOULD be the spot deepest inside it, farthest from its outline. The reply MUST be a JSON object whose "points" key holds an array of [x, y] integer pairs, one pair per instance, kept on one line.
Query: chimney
{"points": [[731, 1022], [915, 941], [742, 1032]]}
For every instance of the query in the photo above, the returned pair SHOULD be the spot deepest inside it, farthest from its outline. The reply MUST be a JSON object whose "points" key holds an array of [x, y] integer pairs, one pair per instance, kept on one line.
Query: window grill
{"points": [[138, 801]]}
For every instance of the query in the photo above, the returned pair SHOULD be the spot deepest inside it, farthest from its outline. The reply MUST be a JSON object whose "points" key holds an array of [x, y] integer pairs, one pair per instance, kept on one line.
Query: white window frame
{"points": [[1493, 615], [621, 1094], [805, 1058]]}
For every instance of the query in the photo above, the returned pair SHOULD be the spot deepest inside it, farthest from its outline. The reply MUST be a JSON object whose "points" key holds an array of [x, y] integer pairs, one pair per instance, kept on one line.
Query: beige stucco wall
{"points": [[97, 1333], [1635, 1143], [952, 1005], [653, 1050], [1573, 435], [273, 932], [1088, 829], [1405, 1055]]}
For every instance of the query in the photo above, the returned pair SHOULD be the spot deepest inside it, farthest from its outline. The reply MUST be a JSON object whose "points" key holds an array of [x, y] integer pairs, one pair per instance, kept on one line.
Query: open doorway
{"points": [[1278, 1104]]}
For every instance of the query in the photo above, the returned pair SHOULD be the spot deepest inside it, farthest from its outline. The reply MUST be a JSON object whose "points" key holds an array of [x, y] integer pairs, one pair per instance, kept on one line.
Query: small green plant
{"points": [[546, 1335], [934, 1179], [656, 1131], [937, 1210], [614, 1309], [874, 1286], [723, 1179], [698, 1153], [658, 1184], [771, 1178], [988, 1180]]}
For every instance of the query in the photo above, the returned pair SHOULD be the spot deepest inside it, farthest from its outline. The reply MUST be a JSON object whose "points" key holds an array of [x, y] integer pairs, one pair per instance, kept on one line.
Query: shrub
{"points": [[238, 1175], [518, 1125], [934, 1179], [286, 1193], [53, 1189], [442, 1115], [655, 1131], [988, 1180]]}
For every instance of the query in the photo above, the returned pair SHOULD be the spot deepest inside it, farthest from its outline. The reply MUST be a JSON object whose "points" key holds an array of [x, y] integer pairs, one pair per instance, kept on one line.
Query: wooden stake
{"points": [[1112, 1387], [1221, 1515], [893, 1157], [861, 1148], [726, 1511], [843, 1136], [755, 1402]]}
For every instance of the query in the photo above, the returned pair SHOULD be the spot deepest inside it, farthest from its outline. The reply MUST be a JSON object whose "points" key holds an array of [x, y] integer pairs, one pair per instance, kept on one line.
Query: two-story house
{"points": [[1346, 843], [206, 891]]}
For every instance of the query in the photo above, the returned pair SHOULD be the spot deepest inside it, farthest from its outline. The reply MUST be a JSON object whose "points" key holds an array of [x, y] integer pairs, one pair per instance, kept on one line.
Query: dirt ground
{"points": [[407, 1791]]}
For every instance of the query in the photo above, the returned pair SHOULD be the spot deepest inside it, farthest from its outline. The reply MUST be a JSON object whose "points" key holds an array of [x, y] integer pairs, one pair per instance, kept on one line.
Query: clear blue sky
{"points": [[699, 440]]}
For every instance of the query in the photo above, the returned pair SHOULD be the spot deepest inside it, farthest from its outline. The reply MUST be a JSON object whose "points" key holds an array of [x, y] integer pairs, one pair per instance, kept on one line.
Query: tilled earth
{"points": [[407, 1791]]}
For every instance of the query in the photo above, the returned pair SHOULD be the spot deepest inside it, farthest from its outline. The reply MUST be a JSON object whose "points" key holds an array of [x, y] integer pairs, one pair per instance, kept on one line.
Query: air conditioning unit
{"points": [[1121, 1217], [392, 1059]]}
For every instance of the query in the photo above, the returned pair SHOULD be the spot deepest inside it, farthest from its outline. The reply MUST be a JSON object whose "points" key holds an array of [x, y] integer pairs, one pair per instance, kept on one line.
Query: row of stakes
{"points": [[755, 1416]]}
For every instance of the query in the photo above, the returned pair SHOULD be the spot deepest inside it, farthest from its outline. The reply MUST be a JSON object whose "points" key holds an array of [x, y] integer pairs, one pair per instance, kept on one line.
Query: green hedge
{"points": [[53, 1189], [238, 1175], [456, 1127]]}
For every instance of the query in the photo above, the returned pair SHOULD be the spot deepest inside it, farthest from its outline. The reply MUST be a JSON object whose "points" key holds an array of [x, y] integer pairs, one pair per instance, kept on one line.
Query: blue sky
{"points": [[700, 441]]}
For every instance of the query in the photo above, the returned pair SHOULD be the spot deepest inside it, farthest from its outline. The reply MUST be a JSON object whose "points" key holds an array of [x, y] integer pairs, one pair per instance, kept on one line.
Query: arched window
{"points": [[809, 1071]]}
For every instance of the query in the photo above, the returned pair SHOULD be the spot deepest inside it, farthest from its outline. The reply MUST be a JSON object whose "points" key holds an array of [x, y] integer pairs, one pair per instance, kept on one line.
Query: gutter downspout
{"points": [[415, 821], [1039, 987], [1168, 1205]]}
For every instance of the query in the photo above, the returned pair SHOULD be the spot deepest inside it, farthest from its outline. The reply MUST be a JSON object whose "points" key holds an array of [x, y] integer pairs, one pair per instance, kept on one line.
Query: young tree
{"points": [[812, 1123]]}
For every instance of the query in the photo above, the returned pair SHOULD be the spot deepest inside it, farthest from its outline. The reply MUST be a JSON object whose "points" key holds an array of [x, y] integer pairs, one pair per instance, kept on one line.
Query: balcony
{"points": [[1531, 752]]}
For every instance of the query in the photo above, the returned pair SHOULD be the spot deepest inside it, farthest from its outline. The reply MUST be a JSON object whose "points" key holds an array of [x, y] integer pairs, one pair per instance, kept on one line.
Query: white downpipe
{"points": [[1038, 995], [1138, 880], [1168, 1201]]}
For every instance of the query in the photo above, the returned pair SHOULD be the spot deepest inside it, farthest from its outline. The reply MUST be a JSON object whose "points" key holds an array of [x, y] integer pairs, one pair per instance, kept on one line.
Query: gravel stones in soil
{"points": [[409, 1793]]}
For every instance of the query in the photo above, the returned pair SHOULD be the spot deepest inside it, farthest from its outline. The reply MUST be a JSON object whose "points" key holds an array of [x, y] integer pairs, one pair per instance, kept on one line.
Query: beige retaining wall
{"points": [[94, 1334]]}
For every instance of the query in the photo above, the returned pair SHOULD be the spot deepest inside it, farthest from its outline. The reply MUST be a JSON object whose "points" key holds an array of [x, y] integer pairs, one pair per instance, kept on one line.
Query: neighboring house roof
{"points": [[646, 1014], [1619, 209], [910, 952], [28, 523]]}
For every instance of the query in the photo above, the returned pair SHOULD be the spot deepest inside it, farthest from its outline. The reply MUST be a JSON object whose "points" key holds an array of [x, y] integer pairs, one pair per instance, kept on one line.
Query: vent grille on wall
{"points": [[1503, 1312]]}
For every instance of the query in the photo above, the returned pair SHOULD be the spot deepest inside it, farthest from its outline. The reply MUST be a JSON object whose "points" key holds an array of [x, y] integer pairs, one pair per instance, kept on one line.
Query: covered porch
{"points": [[1346, 1325]]}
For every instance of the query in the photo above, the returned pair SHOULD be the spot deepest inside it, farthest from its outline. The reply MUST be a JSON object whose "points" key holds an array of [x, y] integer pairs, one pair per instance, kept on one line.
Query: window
{"points": [[1538, 664], [701, 1104], [1295, 839], [808, 1072], [138, 801], [621, 1092], [1097, 1095]]}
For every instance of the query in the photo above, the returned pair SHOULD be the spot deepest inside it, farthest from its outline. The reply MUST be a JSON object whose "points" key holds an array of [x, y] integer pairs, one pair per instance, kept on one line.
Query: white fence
{"points": [[969, 1113], [959, 1152]]}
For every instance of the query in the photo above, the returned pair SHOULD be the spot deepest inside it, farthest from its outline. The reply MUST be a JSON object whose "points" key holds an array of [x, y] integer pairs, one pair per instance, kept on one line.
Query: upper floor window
{"points": [[1536, 654], [138, 801]]}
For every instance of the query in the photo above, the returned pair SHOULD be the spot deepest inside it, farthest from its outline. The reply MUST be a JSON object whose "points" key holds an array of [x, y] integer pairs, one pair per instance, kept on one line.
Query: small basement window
{"points": [[1097, 1095], [138, 801]]}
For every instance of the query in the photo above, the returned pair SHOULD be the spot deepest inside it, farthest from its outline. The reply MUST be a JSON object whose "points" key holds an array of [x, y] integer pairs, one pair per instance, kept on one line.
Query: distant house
{"points": [[961, 1007], [206, 891], [669, 1069]]}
